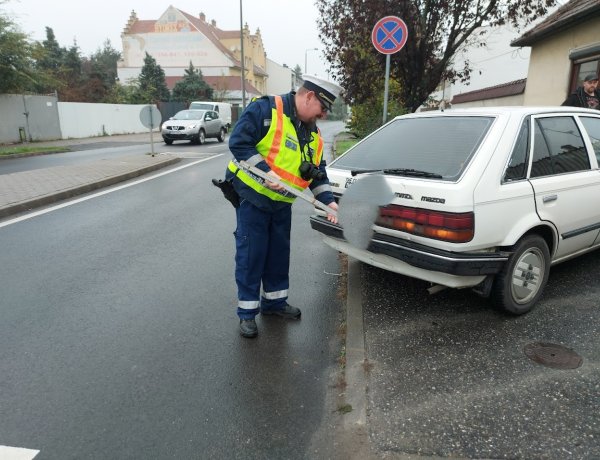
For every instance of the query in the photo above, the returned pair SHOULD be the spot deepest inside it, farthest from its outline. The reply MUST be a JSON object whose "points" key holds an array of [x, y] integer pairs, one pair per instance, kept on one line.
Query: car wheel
{"points": [[520, 284], [221, 136], [201, 137], [168, 141]]}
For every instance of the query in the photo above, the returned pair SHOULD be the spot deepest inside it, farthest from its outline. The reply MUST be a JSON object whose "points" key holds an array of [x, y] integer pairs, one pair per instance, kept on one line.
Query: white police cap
{"points": [[325, 90]]}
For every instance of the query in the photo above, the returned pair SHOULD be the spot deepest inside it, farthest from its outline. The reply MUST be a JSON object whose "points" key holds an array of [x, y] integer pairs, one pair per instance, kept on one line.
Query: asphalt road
{"points": [[449, 377], [119, 336]]}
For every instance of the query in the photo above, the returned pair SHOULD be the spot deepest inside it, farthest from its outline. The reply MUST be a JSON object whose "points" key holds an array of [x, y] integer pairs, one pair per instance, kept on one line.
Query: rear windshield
{"points": [[439, 145], [201, 106]]}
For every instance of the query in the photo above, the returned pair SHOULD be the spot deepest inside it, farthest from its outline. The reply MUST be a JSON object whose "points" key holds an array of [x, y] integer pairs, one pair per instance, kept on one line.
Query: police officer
{"points": [[277, 134]]}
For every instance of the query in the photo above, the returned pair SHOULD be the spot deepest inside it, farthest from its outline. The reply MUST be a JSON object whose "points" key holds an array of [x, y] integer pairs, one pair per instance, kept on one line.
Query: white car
{"points": [[486, 198], [193, 125]]}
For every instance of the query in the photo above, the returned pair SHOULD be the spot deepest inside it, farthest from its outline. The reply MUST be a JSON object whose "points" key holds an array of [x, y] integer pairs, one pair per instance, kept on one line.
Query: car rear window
{"points": [[439, 145]]}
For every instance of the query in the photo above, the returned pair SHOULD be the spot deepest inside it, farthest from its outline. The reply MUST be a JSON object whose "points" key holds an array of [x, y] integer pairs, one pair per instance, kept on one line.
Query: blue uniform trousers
{"points": [[262, 255]]}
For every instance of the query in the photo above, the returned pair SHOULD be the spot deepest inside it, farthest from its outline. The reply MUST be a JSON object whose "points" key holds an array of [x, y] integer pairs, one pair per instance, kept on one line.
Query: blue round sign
{"points": [[389, 35]]}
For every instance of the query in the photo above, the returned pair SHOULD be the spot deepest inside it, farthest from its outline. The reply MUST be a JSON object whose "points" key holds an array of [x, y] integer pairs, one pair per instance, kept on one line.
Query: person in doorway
{"points": [[586, 95], [278, 135]]}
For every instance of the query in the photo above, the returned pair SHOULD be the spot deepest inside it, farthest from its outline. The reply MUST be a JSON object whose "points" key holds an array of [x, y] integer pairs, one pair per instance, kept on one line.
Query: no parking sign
{"points": [[388, 36]]}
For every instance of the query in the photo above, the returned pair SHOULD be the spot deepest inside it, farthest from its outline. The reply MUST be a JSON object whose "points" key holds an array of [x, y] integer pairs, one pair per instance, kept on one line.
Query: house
{"points": [[505, 94], [178, 38], [565, 47], [282, 79]]}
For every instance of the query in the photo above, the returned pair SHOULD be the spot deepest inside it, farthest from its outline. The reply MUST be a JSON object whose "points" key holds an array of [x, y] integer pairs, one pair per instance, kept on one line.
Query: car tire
{"points": [[221, 136], [521, 282], [168, 141], [201, 137]]}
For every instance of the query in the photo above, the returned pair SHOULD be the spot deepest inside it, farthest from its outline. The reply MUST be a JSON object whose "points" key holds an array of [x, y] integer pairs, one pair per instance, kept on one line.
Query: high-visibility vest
{"points": [[281, 150]]}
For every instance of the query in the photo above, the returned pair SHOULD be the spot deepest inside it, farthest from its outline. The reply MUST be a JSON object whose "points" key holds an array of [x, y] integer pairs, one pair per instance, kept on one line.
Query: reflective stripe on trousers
{"points": [[262, 241]]}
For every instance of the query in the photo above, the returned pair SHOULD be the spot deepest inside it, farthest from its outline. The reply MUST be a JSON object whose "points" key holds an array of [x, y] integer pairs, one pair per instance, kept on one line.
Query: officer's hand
{"points": [[330, 217], [273, 185]]}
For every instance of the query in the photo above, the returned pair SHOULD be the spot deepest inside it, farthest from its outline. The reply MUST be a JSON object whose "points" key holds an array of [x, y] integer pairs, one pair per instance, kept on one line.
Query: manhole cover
{"points": [[552, 355]]}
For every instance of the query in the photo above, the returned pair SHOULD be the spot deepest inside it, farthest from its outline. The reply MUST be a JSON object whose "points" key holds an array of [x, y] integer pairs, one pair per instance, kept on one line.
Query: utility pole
{"points": [[243, 65]]}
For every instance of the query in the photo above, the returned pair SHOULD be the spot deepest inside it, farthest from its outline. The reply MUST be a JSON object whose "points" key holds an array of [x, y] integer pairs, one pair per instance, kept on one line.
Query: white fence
{"points": [[40, 118], [82, 119]]}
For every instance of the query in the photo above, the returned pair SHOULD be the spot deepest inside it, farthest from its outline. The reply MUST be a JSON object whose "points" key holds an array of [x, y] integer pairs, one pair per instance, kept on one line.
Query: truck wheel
{"points": [[520, 284], [221, 136]]}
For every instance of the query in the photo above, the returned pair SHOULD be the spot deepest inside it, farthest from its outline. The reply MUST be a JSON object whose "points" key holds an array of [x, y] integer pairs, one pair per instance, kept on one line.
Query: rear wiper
{"points": [[398, 172]]}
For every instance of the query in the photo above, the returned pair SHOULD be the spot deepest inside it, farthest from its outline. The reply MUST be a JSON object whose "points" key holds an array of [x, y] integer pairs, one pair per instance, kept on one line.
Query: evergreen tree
{"points": [[152, 87], [192, 87], [53, 54], [104, 64]]}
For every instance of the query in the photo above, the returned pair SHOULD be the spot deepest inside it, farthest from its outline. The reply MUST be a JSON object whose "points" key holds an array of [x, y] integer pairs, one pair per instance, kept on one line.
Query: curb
{"points": [[355, 395]]}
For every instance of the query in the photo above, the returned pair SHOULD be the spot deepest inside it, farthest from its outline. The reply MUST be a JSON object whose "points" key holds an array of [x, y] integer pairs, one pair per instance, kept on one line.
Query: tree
{"points": [[58, 69], [152, 87], [436, 31], [104, 64], [192, 87], [16, 72], [100, 74], [53, 54]]}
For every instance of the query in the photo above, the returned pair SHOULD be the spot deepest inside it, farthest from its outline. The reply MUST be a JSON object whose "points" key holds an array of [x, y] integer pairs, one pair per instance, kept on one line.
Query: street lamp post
{"points": [[305, 56]]}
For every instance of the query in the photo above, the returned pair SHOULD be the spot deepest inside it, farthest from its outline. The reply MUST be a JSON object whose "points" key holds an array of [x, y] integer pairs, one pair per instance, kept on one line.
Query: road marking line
{"points": [[17, 453], [104, 192]]}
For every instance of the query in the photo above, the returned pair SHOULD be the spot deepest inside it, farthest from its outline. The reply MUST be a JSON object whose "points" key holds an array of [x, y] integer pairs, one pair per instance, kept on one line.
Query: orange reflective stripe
{"points": [[289, 177], [275, 146], [320, 149]]}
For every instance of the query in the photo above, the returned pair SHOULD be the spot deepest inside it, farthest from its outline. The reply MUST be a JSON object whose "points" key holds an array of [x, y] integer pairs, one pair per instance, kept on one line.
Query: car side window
{"points": [[557, 147], [517, 166], [208, 116], [592, 126]]}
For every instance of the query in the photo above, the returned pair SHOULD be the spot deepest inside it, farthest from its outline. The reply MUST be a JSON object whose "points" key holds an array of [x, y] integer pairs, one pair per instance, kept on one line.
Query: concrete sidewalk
{"points": [[23, 191]]}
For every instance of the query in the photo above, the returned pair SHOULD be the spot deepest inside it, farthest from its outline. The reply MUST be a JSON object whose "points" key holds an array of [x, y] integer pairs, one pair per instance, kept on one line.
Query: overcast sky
{"points": [[288, 27]]}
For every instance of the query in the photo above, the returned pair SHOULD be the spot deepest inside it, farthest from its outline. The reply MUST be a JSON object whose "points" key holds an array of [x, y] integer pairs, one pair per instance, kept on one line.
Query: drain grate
{"points": [[553, 355]]}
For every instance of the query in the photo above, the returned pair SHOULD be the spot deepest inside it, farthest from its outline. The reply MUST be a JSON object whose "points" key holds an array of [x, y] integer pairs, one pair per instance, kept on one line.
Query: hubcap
{"points": [[527, 275]]}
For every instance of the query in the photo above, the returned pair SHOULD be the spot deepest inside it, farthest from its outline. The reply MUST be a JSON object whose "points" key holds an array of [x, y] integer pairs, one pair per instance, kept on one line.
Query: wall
{"points": [[549, 65], [41, 122], [82, 119]]}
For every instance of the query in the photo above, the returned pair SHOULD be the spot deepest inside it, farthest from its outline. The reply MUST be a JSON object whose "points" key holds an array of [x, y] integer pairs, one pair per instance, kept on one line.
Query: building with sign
{"points": [[178, 38]]}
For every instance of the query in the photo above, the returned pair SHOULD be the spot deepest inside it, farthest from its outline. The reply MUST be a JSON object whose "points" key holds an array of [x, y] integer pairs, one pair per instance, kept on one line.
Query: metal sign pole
{"points": [[386, 90], [151, 129], [388, 37]]}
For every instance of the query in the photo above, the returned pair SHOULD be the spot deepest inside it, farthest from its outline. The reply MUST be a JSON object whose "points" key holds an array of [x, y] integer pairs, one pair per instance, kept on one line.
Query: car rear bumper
{"points": [[409, 253]]}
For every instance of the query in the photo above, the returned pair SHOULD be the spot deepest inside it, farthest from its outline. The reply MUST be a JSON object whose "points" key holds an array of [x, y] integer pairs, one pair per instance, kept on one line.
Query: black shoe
{"points": [[248, 328], [286, 312]]}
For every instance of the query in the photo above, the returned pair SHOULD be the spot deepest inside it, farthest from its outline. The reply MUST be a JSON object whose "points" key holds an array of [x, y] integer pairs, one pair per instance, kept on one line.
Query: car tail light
{"points": [[446, 226]]}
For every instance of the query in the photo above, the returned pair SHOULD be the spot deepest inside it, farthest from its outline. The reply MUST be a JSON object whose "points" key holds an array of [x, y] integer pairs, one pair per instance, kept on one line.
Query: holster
{"points": [[229, 192]]}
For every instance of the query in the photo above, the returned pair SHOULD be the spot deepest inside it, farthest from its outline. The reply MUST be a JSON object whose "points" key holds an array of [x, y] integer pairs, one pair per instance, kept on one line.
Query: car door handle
{"points": [[549, 198]]}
